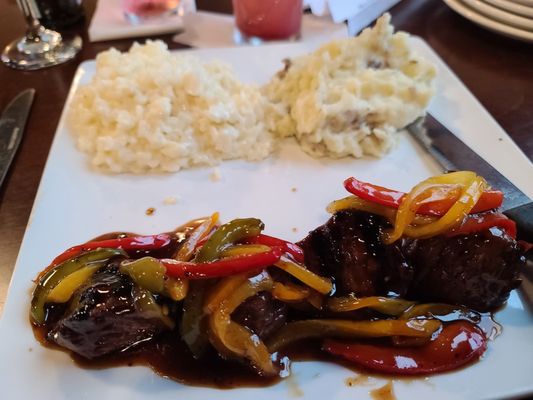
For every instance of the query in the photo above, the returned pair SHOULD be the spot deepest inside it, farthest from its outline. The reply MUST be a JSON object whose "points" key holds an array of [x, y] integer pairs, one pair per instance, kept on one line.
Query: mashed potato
{"points": [[150, 110], [351, 96]]}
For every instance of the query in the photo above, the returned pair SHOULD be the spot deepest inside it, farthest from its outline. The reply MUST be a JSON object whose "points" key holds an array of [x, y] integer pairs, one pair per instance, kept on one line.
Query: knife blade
{"points": [[12, 124], [453, 154]]}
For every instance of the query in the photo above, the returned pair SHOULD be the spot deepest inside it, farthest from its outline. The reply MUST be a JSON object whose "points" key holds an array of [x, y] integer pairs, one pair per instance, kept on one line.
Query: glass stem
{"points": [[31, 15]]}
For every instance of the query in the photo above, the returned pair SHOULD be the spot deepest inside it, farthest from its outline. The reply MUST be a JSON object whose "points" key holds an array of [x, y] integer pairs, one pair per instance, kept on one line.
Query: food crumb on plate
{"points": [[358, 380], [215, 175], [294, 189], [150, 211], [170, 200], [295, 230]]}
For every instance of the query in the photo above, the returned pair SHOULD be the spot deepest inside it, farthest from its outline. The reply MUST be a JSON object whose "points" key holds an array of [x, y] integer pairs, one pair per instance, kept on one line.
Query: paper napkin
{"points": [[109, 23]]}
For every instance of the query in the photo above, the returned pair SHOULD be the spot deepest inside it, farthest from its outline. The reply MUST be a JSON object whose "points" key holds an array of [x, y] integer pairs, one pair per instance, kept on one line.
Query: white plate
{"points": [[524, 2], [489, 23], [497, 14], [74, 204], [513, 7]]}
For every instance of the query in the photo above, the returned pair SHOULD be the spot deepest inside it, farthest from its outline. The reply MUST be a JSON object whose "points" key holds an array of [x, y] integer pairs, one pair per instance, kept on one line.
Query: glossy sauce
{"points": [[168, 355], [385, 392]]}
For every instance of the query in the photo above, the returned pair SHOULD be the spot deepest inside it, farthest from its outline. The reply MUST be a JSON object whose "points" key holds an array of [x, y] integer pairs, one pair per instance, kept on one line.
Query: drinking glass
{"points": [[41, 47], [262, 20]]}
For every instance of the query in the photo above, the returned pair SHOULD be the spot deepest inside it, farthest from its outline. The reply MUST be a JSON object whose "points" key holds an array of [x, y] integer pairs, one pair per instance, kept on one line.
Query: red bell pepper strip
{"points": [[152, 242], [476, 223], [223, 267], [489, 199], [292, 249], [458, 344]]}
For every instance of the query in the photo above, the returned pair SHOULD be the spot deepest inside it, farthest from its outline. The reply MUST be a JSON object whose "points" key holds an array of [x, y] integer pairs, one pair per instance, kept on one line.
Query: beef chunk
{"points": [[110, 314], [262, 314], [476, 270], [349, 248]]}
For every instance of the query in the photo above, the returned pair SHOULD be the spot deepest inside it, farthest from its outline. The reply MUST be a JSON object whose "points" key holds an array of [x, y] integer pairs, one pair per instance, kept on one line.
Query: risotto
{"points": [[152, 110]]}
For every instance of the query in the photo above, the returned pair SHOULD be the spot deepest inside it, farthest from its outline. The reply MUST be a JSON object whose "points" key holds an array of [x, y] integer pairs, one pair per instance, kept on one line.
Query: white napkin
{"points": [[358, 13], [109, 23], [365, 15], [206, 29]]}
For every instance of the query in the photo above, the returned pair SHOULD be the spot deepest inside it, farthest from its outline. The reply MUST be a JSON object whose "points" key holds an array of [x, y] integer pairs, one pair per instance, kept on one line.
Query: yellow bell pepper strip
{"points": [[234, 340], [193, 307], [458, 344], [223, 289], [289, 292], [355, 203], [152, 242], [314, 281], [336, 328], [54, 276], [64, 289], [437, 205], [244, 250], [316, 300], [290, 248], [471, 188], [176, 288], [223, 267], [186, 251], [384, 305], [443, 312], [227, 234], [146, 272]]}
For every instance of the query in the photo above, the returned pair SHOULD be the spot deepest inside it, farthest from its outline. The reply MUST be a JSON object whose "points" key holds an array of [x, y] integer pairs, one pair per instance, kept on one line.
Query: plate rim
{"points": [[488, 23], [503, 16], [518, 9]]}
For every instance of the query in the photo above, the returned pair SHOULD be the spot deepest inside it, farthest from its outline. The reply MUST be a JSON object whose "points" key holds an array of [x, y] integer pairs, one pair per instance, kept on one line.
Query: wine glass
{"points": [[41, 47]]}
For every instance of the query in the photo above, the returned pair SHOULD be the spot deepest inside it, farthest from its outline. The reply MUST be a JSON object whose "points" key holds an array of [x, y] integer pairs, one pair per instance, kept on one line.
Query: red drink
{"points": [[140, 9], [268, 19]]}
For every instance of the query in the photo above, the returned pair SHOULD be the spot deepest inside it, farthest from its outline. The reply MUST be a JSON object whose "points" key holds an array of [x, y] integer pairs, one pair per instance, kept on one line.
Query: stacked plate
{"points": [[513, 18]]}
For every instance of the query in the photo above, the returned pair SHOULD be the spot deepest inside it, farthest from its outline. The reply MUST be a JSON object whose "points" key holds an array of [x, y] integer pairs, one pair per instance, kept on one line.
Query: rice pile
{"points": [[150, 110], [351, 96]]}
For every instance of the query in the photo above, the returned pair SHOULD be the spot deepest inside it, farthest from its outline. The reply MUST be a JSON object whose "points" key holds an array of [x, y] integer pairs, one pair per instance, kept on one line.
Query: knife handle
{"points": [[523, 216]]}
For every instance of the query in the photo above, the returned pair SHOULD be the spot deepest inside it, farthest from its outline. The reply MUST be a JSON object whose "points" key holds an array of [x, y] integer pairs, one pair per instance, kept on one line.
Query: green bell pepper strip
{"points": [[192, 321], [335, 328], [230, 233], [55, 275], [147, 272], [384, 305]]}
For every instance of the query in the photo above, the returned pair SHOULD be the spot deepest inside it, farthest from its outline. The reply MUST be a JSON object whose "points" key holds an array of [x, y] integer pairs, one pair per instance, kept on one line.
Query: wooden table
{"points": [[496, 69]]}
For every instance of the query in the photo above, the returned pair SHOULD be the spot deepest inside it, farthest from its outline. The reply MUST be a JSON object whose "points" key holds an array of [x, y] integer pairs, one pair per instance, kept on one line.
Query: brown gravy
{"points": [[385, 392], [168, 356]]}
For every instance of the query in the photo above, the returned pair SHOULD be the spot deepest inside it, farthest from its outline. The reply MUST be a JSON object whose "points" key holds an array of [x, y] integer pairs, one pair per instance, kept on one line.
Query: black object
{"points": [[59, 14]]}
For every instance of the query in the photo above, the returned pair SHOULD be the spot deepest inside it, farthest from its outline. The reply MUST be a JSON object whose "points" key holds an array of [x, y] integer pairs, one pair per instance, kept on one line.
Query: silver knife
{"points": [[12, 124], [453, 154]]}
